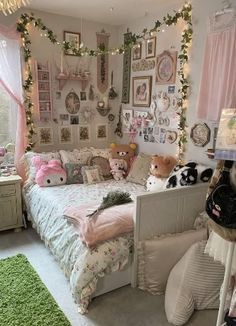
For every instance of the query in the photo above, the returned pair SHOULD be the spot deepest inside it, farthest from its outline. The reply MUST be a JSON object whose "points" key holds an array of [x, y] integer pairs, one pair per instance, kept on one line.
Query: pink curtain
{"points": [[218, 82], [11, 81]]}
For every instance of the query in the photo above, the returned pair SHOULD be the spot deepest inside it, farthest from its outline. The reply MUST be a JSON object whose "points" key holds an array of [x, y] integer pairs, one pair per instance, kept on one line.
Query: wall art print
{"points": [[126, 70], [84, 133], [200, 134], [142, 89], [127, 116], [72, 102], [74, 40], [143, 65], [166, 67], [101, 132], [102, 61], [65, 135], [151, 47], [137, 51], [45, 136]]}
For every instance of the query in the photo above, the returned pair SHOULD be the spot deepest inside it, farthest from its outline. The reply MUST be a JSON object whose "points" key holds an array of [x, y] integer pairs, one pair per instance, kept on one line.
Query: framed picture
{"points": [[151, 47], [72, 102], [200, 134], [166, 67], [101, 132], [74, 119], [45, 136], [127, 119], [226, 136], [137, 51], [142, 89], [65, 135], [73, 39], [84, 133], [83, 96]]}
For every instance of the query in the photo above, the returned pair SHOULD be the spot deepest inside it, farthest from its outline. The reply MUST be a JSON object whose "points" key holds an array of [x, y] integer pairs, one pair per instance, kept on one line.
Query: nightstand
{"points": [[11, 216]]}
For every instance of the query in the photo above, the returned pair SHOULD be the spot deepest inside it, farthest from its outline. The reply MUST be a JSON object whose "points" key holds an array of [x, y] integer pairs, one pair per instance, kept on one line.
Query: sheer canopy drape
{"points": [[11, 81]]}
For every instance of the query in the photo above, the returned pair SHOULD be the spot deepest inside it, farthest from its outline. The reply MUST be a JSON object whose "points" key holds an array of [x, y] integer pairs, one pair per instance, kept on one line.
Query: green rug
{"points": [[24, 299]]}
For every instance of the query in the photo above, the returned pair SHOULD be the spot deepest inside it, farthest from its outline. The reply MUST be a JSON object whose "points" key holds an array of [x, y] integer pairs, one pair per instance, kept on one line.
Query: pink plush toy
{"points": [[49, 173], [118, 168]]}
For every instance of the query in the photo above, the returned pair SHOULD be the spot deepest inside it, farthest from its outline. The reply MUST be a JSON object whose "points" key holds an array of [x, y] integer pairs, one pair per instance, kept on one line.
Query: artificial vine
{"points": [[184, 13]]}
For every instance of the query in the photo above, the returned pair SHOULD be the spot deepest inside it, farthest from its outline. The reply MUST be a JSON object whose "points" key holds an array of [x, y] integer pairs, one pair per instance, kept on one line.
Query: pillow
{"points": [[92, 174], [158, 256], [188, 174], [30, 168], [76, 156], [73, 171], [104, 165], [140, 169], [103, 152], [194, 283]]}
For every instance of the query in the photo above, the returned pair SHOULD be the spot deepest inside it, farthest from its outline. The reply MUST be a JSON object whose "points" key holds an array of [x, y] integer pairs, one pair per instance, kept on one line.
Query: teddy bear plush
{"points": [[122, 151], [162, 165], [49, 173], [118, 168]]}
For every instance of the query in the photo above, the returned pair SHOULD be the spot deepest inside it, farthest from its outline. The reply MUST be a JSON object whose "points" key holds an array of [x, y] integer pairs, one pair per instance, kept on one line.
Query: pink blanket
{"points": [[110, 223]]}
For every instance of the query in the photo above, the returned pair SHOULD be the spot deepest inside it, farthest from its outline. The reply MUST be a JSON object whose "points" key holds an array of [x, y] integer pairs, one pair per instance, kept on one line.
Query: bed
{"points": [[111, 264]]}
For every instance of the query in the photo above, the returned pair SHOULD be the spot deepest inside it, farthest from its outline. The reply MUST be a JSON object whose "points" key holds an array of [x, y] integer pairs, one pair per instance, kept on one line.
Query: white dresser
{"points": [[10, 203]]}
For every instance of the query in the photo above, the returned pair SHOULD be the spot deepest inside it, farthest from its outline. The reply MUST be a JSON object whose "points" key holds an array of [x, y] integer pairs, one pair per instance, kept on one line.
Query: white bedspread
{"points": [[82, 266]]}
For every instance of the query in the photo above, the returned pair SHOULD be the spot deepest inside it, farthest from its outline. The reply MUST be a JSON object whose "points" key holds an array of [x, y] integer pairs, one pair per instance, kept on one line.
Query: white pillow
{"points": [[158, 256], [194, 283], [139, 170], [76, 156]]}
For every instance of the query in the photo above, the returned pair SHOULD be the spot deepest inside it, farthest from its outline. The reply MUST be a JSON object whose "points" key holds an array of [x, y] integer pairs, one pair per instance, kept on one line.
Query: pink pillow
{"points": [[110, 223]]}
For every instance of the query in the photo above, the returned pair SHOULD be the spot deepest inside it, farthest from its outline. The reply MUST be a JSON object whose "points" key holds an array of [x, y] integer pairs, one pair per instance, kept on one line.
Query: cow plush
{"points": [[49, 173], [189, 174]]}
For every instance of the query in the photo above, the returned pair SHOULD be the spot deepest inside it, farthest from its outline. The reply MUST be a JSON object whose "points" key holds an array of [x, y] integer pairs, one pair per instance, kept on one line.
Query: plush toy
{"points": [[161, 166], [49, 173], [189, 174], [155, 184], [125, 152], [118, 168]]}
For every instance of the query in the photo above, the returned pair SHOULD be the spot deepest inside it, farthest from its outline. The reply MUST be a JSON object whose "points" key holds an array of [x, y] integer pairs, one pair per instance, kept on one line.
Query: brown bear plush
{"points": [[122, 151], [162, 165]]}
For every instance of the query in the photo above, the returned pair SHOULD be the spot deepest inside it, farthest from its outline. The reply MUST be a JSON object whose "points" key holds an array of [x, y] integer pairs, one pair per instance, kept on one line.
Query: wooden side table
{"points": [[11, 216]]}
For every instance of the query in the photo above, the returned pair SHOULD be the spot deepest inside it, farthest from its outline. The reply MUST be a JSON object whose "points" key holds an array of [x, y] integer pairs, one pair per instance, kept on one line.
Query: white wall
{"points": [[170, 39], [43, 51]]}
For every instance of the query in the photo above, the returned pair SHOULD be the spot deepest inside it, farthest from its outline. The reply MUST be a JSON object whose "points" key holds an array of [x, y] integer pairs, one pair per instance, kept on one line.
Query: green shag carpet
{"points": [[24, 299]]}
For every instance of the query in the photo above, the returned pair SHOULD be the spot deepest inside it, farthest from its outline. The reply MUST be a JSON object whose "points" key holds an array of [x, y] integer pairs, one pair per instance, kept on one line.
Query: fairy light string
{"points": [[185, 13]]}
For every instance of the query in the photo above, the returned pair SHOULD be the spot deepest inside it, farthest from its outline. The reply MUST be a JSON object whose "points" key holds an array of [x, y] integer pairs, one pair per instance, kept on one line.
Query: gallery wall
{"points": [[169, 39], [44, 52]]}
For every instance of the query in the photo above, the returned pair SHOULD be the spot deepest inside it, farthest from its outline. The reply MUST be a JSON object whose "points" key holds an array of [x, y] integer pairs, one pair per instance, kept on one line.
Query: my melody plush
{"points": [[189, 174], [49, 173], [162, 165], [118, 168]]}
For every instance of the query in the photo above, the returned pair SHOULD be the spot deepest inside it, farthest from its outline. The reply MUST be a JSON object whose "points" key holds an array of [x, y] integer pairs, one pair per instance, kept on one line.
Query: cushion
{"points": [[76, 156], [73, 171], [30, 168], [140, 169], [104, 165], [92, 174], [194, 283], [109, 223], [158, 256], [189, 174], [103, 152]]}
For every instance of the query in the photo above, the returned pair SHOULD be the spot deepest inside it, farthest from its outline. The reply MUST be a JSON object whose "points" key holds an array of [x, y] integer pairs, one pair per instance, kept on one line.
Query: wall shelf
{"points": [[82, 79]]}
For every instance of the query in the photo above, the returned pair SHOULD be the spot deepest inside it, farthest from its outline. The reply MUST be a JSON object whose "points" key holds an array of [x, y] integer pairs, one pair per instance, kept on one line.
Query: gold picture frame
{"points": [[166, 68], [74, 39], [142, 91]]}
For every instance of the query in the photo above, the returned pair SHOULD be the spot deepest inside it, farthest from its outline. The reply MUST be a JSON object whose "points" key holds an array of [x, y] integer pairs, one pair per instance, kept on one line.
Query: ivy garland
{"points": [[184, 13]]}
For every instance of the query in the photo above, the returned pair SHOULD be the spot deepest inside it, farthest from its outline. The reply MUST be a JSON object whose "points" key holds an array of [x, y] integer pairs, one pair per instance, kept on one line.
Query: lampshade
{"points": [[10, 6]]}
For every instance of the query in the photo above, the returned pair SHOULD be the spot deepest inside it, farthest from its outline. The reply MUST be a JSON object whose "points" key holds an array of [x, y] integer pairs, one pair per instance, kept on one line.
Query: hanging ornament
{"points": [[112, 92], [118, 130], [91, 93]]}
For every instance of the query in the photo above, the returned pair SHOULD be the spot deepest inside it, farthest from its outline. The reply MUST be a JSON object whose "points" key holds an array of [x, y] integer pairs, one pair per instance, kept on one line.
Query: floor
{"points": [[125, 306]]}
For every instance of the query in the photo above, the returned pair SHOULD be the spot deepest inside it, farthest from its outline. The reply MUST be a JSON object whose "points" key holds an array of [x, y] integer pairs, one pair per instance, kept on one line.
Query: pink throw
{"points": [[110, 223]]}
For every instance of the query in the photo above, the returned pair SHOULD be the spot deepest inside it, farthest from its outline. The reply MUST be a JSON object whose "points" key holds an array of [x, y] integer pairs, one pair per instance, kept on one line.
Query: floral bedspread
{"points": [[83, 266]]}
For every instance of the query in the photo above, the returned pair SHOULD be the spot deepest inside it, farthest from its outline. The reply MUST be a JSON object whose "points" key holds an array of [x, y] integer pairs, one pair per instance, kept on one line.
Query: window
{"points": [[8, 118]]}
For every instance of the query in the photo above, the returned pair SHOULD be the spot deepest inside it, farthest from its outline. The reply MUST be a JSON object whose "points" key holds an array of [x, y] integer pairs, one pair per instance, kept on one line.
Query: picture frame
{"points": [[127, 115], [142, 91], [74, 39], [137, 51], [45, 136], [200, 134], [84, 133], [65, 135], [166, 68], [74, 119], [151, 47], [72, 102], [101, 132]]}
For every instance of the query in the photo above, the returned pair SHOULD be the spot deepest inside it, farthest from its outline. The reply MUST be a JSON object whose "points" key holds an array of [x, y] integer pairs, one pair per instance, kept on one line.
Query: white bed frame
{"points": [[156, 213]]}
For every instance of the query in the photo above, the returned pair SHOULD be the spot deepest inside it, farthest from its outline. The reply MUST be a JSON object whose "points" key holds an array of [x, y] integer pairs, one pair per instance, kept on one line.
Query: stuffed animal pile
{"points": [[49, 173]]}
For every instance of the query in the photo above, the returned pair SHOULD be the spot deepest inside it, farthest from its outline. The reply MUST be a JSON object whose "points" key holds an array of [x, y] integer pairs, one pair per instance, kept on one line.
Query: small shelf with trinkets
{"points": [[43, 80], [82, 78]]}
